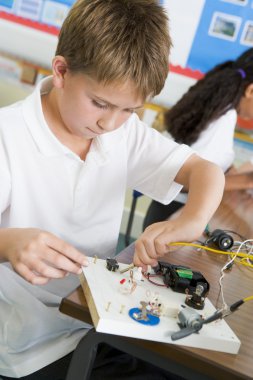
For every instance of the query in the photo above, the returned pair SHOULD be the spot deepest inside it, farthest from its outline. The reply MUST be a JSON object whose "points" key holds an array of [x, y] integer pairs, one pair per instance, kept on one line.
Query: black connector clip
{"points": [[221, 240]]}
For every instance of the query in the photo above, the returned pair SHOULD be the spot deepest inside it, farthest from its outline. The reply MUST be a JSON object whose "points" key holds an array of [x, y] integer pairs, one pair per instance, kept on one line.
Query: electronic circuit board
{"points": [[111, 303]]}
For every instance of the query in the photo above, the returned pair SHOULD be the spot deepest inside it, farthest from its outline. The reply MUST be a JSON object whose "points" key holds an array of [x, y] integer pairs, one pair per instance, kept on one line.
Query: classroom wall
{"points": [[32, 29], [11, 92], [29, 44]]}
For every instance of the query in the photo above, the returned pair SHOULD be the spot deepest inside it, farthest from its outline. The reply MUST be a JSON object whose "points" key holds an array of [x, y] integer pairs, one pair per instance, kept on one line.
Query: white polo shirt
{"points": [[45, 185]]}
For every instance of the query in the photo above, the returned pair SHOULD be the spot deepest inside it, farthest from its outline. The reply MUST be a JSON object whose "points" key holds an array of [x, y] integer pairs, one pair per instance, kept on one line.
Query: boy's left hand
{"points": [[154, 241], [204, 182]]}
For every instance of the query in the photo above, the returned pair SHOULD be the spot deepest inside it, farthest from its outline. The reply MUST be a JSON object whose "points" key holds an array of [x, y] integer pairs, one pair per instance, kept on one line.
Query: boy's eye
{"points": [[106, 106], [100, 105]]}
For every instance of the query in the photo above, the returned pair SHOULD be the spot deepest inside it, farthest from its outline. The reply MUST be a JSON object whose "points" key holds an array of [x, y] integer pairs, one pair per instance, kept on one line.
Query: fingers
{"points": [[155, 241], [52, 266], [39, 256], [37, 271], [70, 258], [150, 246], [141, 257], [152, 241], [58, 260], [30, 276]]}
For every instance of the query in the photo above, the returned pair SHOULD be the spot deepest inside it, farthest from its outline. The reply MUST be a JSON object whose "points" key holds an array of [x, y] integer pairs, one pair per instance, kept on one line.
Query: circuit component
{"points": [[182, 279], [221, 240], [112, 264]]}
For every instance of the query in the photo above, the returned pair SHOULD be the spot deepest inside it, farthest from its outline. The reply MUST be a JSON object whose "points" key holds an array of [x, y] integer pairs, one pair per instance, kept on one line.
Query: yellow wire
{"points": [[242, 262], [239, 254], [248, 299]]}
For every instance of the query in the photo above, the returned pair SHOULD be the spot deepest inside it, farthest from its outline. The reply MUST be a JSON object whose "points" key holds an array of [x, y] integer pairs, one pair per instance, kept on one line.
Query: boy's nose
{"points": [[108, 123]]}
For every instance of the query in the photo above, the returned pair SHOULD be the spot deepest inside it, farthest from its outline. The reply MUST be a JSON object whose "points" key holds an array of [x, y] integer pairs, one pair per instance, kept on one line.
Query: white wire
{"points": [[224, 304], [250, 254]]}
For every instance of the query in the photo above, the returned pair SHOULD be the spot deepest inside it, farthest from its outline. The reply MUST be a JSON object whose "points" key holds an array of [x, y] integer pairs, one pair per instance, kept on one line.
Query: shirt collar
{"points": [[46, 141]]}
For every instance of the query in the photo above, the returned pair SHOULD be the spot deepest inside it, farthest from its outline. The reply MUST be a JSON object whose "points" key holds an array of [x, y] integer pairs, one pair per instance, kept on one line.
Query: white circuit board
{"points": [[112, 308]]}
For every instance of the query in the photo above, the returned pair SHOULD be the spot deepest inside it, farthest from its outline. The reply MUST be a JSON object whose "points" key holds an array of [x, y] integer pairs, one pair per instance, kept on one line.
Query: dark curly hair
{"points": [[220, 90]]}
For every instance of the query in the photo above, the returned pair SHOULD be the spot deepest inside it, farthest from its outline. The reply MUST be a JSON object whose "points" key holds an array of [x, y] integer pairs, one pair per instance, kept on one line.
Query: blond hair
{"points": [[118, 40]]}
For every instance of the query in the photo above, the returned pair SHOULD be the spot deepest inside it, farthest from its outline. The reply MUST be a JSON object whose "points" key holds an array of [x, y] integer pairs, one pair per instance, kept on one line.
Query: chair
{"points": [[135, 196]]}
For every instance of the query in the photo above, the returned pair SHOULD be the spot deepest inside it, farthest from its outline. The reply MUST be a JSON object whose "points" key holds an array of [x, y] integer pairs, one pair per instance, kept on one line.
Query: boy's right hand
{"points": [[39, 256]]}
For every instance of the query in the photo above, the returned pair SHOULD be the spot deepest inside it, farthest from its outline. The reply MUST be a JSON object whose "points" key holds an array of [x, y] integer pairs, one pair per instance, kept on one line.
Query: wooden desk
{"points": [[235, 213]]}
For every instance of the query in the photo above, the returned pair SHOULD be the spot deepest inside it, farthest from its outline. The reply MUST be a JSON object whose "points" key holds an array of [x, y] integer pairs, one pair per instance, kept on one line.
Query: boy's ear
{"points": [[249, 91], [59, 69]]}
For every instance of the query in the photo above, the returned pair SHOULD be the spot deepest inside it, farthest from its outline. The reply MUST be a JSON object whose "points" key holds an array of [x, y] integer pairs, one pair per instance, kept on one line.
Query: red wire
{"points": [[152, 282]]}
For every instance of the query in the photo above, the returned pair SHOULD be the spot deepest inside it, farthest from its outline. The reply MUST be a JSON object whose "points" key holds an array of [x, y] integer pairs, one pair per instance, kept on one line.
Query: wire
{"points": [[249, 249], [246, 264], [235, 233], [225, 306], [248, 299], [219, 314], [240, 254], [147, 276], [238, 303], [234, 258]]}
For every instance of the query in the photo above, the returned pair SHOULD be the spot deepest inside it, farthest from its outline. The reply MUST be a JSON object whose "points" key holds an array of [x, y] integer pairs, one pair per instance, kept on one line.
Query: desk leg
{"points": [[85, 353], [83, 357]]}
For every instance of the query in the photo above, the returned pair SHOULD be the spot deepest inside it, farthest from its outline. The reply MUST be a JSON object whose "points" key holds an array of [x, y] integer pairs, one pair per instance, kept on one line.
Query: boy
{"points": [[67, 154]]}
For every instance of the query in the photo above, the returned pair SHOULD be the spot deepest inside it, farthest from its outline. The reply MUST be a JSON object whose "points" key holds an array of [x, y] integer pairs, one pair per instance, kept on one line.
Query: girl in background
{"points": [[205, 118]]}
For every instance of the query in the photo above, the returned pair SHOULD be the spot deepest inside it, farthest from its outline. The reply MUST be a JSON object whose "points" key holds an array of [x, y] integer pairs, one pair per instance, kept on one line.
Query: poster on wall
{"points": [[183, 30], [224, 32], [44, 15], [218, 30]]}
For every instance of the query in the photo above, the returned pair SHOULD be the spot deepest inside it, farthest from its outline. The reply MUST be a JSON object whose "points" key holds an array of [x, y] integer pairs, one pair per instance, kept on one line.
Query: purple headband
{"points": [[242, 73]]}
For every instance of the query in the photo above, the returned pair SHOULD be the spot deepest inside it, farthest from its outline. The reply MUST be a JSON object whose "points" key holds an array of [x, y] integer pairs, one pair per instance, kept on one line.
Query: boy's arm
{"points": [[205, 184], [39, 256]]}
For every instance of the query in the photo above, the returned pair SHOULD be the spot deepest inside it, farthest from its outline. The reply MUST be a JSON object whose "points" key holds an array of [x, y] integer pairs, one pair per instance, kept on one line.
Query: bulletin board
{"points": [[216, 31], [206, 33], [225, 30]]}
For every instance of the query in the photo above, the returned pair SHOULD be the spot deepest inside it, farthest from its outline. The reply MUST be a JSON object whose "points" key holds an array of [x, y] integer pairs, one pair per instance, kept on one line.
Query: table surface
{"points": [[235, 213]]}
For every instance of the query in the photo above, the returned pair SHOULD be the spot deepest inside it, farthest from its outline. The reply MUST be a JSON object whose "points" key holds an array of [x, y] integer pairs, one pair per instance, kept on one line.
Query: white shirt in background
{"points": [[215, 143]]}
